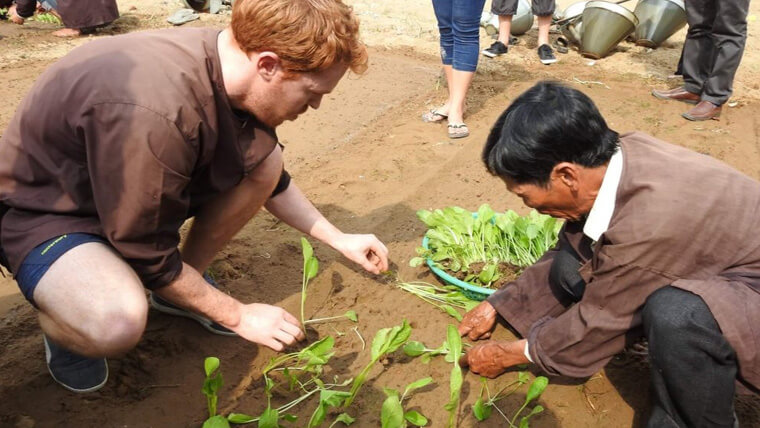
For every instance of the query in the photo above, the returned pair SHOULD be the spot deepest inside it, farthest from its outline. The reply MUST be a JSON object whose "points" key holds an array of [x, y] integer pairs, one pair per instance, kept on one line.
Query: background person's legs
{"points": [[729, 35], [698, 55], [693, 366]]}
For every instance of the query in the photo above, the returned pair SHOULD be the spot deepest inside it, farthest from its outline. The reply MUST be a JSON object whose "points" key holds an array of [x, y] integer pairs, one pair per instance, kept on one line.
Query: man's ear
{"points": [[268, 64], [566, 173]]}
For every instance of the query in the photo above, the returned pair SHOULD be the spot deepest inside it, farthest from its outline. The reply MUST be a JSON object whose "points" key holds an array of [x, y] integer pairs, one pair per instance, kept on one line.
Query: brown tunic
{"points": [[681, 219], [125, 137]]}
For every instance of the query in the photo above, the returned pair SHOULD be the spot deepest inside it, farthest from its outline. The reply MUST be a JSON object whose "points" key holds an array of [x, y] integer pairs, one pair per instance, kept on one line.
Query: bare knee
{"points": [[117, 328]]}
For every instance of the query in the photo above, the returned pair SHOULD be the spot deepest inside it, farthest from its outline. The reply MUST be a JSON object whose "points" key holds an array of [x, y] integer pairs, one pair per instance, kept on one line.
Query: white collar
{"points": [[598, 220]]}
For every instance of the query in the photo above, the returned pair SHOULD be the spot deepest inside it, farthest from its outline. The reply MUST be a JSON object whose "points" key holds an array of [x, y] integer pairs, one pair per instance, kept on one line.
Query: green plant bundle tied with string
{"points": [[457, 239]]}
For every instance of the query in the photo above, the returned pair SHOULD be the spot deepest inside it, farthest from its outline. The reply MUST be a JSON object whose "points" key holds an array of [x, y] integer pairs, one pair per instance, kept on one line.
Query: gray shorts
{"points": [[509, 7]]}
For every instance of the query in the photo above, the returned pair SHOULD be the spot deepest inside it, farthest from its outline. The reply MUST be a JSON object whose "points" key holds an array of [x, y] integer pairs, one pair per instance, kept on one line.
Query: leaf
{"points": [[345, 418], [416, 261], [318, 416], [240, 418], [391, 414], [310, 268], [536, 388], [417, 384], [289, 418], [426, 358], [320, 347], [269, 419], [481, 410], [415, 418], [210, 364], [380, 343], [454, 341], [352, 316], [400, 337], [217, 421], [452, 312], [524, 420], [414, 348], [308, 252], [332, 398]]}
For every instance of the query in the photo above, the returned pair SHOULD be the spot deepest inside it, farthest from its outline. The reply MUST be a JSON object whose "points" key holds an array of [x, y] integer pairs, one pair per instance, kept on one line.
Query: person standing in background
{"points": [[78, 16], [459, 27], [505, 9], [711, 55]]}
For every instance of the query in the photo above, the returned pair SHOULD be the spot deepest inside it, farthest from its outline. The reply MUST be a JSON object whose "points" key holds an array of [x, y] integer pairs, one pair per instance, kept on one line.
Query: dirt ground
{"points": [[368, 163]]}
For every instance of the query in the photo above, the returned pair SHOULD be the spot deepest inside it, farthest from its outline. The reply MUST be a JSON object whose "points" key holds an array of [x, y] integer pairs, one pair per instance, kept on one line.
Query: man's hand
{"points": [[14, 17], [268, 325], [366, 250], [492, 358], [478, 323]]}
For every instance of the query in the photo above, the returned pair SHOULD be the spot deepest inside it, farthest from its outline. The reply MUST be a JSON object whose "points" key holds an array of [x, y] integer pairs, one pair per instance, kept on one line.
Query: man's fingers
{"points": [[463, 361], [290, 318], [284, 337], [275, 345], [464, 328], [486, 335], [292, 330]]}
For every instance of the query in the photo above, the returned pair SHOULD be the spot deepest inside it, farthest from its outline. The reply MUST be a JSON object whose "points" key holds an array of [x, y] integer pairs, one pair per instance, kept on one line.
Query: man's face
{"points": [[288, 96], [557, 199]]}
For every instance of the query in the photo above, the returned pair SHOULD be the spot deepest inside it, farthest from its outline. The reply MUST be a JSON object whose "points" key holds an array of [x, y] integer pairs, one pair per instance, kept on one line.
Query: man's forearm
{"points": [[190, 291], [293, 208]]}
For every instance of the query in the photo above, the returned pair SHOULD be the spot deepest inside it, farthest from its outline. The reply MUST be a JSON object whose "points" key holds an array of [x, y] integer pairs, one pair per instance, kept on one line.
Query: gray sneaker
{"points": [[74, 372], [163, 305]]}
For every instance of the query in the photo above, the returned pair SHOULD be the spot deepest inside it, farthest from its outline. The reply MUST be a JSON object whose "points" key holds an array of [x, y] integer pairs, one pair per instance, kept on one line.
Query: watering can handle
{"points": [[575, 18]]}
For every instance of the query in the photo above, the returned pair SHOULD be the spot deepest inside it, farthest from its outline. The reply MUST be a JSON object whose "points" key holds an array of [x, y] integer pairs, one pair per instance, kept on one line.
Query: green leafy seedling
{"points": [[535, 390], [418, 349], [486, 403], [392, 414], [454, 343], [343, 418], [327, 399], [349, 315], [310, 268], [212, 383], [310, 360], [386, 340]]}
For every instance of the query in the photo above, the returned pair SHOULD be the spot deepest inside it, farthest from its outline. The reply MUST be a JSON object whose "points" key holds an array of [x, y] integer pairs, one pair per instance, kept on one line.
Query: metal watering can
{"points": [[571, 22], [658, 20], [605, 25]]}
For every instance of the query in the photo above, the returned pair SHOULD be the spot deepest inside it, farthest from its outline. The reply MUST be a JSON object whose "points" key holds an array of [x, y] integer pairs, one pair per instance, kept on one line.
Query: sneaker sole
{"points": [[78, 391], [489, 54], [183, 313], [548, 61]]}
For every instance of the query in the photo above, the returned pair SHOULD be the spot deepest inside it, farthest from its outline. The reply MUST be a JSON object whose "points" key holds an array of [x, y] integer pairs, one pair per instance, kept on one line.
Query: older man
{"points": [[658, 241], [121, 141]]}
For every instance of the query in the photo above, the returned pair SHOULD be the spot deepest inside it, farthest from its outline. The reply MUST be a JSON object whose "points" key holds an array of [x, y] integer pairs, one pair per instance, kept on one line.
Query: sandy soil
{"points": [[368, 163]]}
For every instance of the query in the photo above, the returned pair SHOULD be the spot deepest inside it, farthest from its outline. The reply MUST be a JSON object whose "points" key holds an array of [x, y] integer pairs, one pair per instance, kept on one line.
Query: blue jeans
{"points": [[459, 26]]}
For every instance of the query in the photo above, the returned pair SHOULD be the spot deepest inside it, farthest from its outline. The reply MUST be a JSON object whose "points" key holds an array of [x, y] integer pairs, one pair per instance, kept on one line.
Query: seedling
{"points": [[386, 340], [309, 360], [47, 18], [310, 268], [349, 315], [211, 386], [456, 240], [392, 414], [454, 342], [327, 399], [444, 298], [418, 349], [483, 406]]}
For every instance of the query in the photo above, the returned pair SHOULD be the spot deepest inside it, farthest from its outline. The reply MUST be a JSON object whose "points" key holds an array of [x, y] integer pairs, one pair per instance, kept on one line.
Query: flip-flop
{"points": [[458, 130], [561, 45], [182, 16], [433, 116]]}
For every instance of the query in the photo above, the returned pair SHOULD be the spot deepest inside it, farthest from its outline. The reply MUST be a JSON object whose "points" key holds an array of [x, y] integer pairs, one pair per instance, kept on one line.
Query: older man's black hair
{"points": [[547, 124]]}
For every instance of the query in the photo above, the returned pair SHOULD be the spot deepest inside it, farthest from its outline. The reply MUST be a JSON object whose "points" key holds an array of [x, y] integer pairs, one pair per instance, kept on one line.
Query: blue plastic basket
{"points": [[471, 291]]}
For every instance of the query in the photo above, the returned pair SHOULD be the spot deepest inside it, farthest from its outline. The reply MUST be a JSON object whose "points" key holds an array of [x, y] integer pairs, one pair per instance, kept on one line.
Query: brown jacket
{"points": [[681, 219], [125, 137]]}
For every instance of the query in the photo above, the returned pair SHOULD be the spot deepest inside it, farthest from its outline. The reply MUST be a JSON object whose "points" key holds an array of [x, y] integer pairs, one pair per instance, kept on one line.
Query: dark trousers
{"points": [[714, 46], [693, 369]]}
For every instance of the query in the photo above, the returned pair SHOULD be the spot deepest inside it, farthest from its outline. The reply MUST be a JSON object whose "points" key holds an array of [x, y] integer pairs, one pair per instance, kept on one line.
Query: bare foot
{"points": [[67, 32]]}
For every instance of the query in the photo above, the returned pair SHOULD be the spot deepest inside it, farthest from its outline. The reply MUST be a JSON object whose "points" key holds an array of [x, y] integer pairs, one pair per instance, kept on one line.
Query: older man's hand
{"points": [[492, 358], [478, 323]]}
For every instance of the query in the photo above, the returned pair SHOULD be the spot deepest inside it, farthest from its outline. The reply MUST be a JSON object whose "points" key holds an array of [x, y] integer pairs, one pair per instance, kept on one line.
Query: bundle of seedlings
{"points": [[486, 248]]}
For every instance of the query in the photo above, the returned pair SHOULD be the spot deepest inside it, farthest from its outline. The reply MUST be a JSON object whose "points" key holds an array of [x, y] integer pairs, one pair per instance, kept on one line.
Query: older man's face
{"points": [[557, 199]]}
